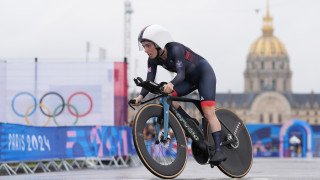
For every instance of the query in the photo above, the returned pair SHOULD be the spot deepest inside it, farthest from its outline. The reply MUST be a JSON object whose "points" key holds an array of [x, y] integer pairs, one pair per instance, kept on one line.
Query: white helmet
{"points": [[156, 34]]}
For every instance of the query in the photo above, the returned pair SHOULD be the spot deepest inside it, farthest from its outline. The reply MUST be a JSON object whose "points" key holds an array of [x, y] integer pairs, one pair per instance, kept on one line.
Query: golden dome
{"points": [[267, 45]]}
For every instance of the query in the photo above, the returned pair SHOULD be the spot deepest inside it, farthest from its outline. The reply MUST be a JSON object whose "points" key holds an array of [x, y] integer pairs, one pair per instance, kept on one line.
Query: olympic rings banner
{"points": [[23, 143], [63, 94]]}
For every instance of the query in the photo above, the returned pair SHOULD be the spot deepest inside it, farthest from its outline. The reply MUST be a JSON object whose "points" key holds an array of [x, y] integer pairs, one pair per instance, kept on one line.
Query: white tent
{"points": [[294, 140]]}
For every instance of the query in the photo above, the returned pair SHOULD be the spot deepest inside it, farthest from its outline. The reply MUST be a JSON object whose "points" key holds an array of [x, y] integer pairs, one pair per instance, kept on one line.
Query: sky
{"points": [[221, 31]]}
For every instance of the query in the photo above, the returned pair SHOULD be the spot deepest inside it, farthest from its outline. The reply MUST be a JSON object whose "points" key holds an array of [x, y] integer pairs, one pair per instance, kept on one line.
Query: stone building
{"points": [[268, 96]]}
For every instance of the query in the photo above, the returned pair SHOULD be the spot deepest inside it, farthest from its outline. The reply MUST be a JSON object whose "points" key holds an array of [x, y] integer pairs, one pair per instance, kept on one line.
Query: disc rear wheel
{"points": [[239, 152]]}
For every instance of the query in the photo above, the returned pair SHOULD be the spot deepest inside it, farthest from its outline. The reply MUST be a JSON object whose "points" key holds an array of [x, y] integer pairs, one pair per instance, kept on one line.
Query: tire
{"points": [[239, 158], [165, 160]]}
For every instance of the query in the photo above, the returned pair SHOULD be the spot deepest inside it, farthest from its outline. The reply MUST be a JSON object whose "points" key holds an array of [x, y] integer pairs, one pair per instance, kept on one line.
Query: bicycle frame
{"points": [[166, 101]]}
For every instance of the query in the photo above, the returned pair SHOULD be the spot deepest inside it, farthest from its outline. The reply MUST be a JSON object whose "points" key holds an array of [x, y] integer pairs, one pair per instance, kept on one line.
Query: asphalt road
{"points": [[262, 169]]}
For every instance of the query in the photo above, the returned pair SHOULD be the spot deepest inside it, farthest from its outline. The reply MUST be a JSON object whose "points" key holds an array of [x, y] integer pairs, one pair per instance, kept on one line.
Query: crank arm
{"points": [[228, 142]]}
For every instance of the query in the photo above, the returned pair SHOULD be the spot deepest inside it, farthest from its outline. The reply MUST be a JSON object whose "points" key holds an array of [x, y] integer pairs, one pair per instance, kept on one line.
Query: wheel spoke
{"points": [[164, 157], [162, 154], [170, 150]]}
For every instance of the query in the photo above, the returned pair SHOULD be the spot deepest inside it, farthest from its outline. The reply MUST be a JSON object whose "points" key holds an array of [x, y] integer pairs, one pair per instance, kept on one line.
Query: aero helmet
{"points": [[156, 34]]}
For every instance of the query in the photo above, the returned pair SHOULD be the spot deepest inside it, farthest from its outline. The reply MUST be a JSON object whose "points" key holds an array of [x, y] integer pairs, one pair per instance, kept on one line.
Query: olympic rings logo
{"points": [[57, 111]]}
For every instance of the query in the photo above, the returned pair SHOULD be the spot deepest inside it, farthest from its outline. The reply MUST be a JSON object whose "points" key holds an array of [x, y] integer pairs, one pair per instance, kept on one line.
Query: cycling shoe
{"points": [[217, 158]]}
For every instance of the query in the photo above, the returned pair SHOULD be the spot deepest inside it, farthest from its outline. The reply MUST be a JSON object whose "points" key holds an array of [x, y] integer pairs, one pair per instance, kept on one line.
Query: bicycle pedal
{"points": [[211, 165]]}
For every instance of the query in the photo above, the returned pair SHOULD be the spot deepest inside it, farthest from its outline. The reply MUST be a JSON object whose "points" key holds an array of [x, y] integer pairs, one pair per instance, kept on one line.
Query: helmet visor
{"points": [[141, 48], [140, 39]]}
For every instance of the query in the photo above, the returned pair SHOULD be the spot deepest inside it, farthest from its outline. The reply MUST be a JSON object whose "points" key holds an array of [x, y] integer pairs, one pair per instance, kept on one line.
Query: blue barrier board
{"points": [[21, 143]]}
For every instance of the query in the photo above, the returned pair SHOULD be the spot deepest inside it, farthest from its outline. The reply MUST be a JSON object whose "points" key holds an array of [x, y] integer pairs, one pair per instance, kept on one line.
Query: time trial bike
{"points": [[160, 136]]}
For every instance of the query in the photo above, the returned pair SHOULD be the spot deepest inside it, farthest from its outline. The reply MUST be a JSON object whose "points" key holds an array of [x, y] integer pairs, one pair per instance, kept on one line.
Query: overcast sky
{"points": [[221, 31]]}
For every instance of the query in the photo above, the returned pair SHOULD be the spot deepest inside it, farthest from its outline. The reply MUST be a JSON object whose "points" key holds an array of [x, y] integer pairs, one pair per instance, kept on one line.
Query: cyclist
{"points": [[193, 72]]}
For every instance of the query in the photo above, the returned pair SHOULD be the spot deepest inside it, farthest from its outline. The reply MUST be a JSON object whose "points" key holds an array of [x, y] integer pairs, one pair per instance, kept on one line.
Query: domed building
{"points": [[267, 63], [268, 96], [272, 112]]}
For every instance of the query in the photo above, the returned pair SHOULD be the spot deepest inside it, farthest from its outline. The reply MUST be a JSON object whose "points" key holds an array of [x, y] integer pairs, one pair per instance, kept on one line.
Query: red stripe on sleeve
{"points": [[174, 94]]}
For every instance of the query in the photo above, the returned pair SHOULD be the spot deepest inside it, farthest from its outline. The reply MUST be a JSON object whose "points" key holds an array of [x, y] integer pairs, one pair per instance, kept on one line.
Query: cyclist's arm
{"points": [[178, 55], [151, 75]]}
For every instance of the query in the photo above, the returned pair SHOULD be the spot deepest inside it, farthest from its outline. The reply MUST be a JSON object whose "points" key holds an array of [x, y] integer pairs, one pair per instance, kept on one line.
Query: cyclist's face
{"points": [[150, 49]]}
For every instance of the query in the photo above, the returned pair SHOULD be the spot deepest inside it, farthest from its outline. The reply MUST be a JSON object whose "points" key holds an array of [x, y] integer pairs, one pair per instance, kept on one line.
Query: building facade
{"points": [[268, 96]]}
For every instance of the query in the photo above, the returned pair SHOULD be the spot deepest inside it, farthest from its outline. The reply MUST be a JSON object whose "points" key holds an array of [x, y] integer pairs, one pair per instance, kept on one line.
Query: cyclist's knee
{"points": [[208, 111], [175, 104], [208, 114]]}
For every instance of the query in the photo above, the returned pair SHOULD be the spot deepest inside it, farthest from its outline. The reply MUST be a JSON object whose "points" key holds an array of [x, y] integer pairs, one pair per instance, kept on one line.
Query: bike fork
{"points": [[163, 101]]}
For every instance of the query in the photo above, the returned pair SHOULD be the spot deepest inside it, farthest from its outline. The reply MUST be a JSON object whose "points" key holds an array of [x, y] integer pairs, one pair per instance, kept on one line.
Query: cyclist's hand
{"points": [[138, 101], [168, 88]]}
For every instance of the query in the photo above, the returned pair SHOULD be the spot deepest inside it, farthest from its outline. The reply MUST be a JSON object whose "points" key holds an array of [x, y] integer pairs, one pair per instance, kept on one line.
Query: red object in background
{"points": [[287, 152], [120, 94]]}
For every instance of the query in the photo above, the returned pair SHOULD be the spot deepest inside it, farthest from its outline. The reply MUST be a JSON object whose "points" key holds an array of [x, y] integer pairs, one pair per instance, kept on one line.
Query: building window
{"points": [[316, 121], [262, 65], [316, 113], [280, 118], [261, 118], [252, 64], [270, 118], [307, 113], [308, 121], [284, 85], [273, 65], [261, 84], [274, 83]]}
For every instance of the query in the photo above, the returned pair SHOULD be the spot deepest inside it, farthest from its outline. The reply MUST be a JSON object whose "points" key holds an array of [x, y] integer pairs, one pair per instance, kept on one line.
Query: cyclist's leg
{"points": [[207, 92], [182, 89]]}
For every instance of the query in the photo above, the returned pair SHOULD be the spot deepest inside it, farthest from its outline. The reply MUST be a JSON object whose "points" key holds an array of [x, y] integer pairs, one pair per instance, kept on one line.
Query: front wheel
{"points": [[165, 159]]}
